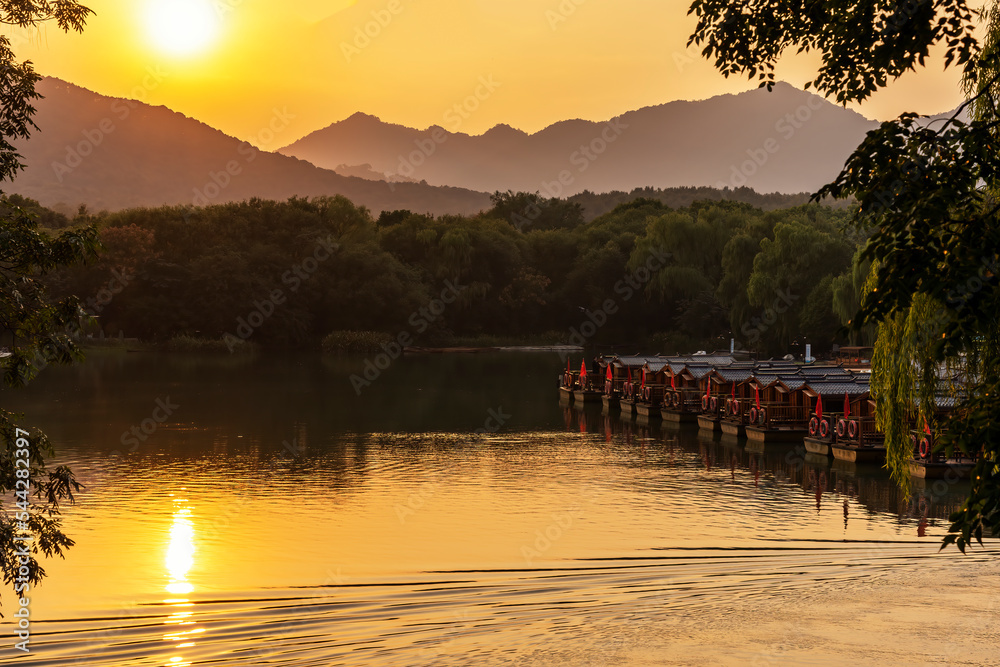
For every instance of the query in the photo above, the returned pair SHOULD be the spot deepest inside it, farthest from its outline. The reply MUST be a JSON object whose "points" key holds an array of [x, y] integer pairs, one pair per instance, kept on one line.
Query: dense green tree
{"points": [[199, 272], [528, 211], [848, 291], [787, 269]]}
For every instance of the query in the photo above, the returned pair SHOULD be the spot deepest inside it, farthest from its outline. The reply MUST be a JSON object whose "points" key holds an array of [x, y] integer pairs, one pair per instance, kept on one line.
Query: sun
{"points": [[181, 27]]}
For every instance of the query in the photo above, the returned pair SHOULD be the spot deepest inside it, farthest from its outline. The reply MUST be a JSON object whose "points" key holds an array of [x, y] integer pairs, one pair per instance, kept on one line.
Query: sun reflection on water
{"points": [[179, 561]]}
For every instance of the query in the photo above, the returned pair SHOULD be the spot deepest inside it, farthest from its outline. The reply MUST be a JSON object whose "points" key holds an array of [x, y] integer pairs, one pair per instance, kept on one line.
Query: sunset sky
{"points": [[233, 63]]}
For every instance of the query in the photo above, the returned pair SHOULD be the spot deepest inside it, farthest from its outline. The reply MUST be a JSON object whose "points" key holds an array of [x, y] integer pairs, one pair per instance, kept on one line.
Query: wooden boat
{"points": [[948, 470], [578, 386], [614, 372], [781, 402], [930, 464], [857, 439], [777, 412], [651, 390], [567, 381], [620, 391], [727, 386], [828, 430], [688, 398]]}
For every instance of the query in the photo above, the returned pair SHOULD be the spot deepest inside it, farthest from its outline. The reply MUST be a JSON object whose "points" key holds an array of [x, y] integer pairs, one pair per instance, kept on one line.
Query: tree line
{"points": [[530, 268]]}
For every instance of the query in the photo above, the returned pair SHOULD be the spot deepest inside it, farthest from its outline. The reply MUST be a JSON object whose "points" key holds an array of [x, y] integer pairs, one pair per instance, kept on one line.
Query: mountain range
{"points": [[786, 140], [111, 153]]}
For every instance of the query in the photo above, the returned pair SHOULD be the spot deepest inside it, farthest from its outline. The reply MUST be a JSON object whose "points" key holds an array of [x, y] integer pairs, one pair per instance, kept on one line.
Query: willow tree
{"points": [[927, 190], [40, 330]]}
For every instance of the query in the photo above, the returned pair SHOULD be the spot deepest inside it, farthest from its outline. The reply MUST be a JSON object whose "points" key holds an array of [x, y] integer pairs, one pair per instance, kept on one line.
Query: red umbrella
{"points": [[927, 428], [756, 396], [819, 406], [643, 377], [847, 406], [608, 375], [672, 382], [583, 369]]}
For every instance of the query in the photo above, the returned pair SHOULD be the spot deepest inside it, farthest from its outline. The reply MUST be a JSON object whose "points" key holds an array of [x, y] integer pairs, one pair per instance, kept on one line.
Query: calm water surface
{"points": [[274, 517]]}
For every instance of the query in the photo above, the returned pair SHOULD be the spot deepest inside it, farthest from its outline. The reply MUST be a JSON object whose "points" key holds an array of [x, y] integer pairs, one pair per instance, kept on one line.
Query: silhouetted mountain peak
{"points": [[794, 140], [504, 131]]}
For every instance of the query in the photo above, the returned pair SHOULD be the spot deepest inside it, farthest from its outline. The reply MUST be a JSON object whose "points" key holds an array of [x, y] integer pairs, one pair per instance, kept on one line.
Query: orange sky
{"points": [[234, 64]]}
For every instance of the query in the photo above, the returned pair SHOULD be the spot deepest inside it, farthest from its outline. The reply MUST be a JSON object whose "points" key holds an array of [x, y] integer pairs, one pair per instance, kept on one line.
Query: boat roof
{"points": [[836, 388], [677, 364], [698, 371], [734, 373], [792, 383], [634, 361], [946, 401]]}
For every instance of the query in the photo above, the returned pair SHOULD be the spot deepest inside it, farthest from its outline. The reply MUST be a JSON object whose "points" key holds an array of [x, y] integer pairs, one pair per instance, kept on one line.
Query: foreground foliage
{"points": [[41, 330]]}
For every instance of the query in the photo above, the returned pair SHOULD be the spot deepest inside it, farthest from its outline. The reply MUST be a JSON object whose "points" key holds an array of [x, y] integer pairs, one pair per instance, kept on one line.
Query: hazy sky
{"points": [[527, 63]]}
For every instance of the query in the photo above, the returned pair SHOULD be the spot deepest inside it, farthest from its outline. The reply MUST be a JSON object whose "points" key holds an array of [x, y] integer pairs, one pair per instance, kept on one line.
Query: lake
{"points": [[259, 511]]}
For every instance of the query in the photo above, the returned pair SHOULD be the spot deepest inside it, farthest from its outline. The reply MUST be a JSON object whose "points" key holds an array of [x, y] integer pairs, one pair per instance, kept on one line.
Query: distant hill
{"points": [[785, 141], [112, 154]]}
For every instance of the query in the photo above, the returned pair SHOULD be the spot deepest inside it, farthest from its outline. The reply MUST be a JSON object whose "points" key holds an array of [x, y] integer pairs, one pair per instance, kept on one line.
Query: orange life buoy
{"points": [[852, 429], [753, 414], [841, 428], [704, 403], [824, 428], [925, 448], [762, 416], [736, 407], [813, 426], [715, 403], [677, 400]]}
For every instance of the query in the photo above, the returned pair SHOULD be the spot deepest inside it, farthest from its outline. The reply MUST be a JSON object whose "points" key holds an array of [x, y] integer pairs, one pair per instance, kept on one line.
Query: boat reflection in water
{"points": [[867, 487]]}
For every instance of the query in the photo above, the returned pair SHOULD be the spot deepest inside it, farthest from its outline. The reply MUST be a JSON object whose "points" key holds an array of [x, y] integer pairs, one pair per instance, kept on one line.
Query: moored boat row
{"points": [[826, 407]]}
